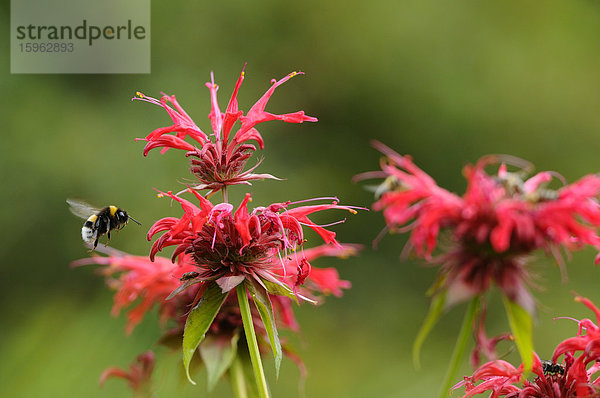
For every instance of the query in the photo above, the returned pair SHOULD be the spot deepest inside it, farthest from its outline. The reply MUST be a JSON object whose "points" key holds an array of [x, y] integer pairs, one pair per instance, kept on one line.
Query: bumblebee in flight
{"points": [[98, 221]]}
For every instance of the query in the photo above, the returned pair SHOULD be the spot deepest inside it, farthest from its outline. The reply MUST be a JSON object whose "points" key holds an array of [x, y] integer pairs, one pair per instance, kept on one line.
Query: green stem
{"points": [[224, 191], [459, 348], [259, 373], [238, 381]]}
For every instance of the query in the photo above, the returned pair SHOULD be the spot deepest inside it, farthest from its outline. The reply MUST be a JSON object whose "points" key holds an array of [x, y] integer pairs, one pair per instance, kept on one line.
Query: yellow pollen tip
{"points": [[139, 94], [293, 74], [352, 211], [578, 299], [243, 74], [160, 195]]}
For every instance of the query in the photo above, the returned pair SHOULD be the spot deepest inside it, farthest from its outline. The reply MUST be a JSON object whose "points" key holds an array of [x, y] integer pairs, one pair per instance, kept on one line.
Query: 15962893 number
{"points": [[47, 47]]}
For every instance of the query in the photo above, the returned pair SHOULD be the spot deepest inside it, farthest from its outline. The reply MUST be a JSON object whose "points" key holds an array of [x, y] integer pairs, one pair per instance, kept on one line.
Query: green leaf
{"points": [[265, 309], [521, 326], [218, 356], [182, 287], [435, 311], [198, 322], [280, 290]]}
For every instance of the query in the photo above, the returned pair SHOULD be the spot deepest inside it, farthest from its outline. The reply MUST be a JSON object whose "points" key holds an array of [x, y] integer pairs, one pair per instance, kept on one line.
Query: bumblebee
{"points": [[552, 369], [98, 221]]}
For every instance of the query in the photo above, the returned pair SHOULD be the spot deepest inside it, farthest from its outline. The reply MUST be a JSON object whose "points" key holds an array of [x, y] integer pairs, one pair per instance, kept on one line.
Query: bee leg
{"points": [[94, 247], [107, 231]]}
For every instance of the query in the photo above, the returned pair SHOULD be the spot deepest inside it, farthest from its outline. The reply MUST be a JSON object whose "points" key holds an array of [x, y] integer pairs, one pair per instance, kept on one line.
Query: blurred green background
{"points": [[446, 82]]}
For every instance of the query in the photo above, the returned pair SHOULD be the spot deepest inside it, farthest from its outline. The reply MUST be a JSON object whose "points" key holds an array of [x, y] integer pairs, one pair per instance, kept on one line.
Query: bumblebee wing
{"points": [[81, 209]]}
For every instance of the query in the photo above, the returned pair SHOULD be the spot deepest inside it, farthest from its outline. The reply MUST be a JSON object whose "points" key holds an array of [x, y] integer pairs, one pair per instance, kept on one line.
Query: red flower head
{"points": [[498, 221], [260, 252], [229, 246], [141, 280], [320, 280], [219, 160], [151, 283], [139, 375], [573, 377]]}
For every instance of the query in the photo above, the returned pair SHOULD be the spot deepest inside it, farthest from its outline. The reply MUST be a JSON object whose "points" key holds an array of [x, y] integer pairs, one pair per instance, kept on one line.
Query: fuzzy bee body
{"points": [[98, 221], [551, 369], [87, 232]]}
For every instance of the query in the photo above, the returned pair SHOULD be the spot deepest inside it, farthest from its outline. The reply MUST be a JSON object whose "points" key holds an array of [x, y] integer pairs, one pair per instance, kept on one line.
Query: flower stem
{"points": [[238, 380], [459, 348], [224, 191], [259, 373]]}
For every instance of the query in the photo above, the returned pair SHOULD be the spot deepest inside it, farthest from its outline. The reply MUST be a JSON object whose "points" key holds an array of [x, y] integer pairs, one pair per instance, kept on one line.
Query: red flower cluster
{"points": [[229, 246], [498, 221], [139, 375], [142, 284], [219, 247], [149, 283], [219, 160], [569, 379]]}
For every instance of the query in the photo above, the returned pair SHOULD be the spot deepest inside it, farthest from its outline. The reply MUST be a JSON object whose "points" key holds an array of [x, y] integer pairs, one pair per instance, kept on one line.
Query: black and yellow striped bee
{"points": [[552, 369], [98, 221]]}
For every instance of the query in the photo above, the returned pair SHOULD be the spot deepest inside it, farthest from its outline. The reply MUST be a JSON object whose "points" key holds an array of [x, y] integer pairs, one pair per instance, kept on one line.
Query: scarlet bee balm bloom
{"points": [[492, 230], [572, 377], [229, 246], [142, 284], [500, 220], [243, 250], [260, 253], [219, 160]]}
